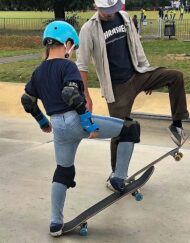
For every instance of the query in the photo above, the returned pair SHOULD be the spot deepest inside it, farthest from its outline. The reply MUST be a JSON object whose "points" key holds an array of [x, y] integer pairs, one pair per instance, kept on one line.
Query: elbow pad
{"points": [[30, 105], [72, 97]]}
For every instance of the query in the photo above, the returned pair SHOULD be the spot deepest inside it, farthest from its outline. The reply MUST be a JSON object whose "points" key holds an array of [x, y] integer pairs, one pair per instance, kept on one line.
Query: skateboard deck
{"points": [[175, 153], [81, 219]]}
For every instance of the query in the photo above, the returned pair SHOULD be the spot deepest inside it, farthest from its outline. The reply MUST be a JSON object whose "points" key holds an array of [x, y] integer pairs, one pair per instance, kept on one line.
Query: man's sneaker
{"points": [[56, 229], [117, 183], [177, 134], [110, 183]]}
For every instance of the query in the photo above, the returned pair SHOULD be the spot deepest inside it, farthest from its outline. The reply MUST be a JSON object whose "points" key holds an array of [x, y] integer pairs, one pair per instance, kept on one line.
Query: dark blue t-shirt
{"points": [[119, 58], [47, 83]]}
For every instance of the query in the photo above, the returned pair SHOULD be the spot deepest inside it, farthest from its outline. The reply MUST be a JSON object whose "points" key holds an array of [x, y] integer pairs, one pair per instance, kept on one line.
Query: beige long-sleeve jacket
{"points": [[92, 44]]}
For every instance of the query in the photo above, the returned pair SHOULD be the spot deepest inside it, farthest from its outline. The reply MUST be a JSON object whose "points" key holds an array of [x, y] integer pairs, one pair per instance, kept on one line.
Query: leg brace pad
{"points": [[65, 175], [130, 131]]}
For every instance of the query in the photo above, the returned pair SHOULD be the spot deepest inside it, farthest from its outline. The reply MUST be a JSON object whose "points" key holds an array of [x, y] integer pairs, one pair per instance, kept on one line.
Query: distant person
{"points": [[135, 21], [172, 13], [145, 15], [181, 13], [161, 13], [142, 14], [166, 15]]}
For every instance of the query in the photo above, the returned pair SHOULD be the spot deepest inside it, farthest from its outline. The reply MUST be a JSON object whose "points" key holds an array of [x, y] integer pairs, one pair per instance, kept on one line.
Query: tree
{"points": [[59, 9]]}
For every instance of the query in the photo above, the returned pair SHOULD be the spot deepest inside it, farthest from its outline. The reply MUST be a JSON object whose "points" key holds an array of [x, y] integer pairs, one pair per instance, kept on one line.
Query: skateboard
{"points": [[175, 153], [81, 219]]}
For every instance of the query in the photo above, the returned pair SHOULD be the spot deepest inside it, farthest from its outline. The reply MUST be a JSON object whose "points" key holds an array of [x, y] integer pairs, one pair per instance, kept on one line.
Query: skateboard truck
{"points": [[176, 154]]}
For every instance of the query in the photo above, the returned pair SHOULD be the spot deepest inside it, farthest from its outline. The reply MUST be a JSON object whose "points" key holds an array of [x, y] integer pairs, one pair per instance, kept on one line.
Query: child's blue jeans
{"points": [[68, 133]]}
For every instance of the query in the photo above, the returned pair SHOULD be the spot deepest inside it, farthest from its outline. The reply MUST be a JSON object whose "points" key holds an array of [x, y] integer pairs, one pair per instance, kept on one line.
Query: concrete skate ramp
{"points": [[27, 164], [157, 103]]}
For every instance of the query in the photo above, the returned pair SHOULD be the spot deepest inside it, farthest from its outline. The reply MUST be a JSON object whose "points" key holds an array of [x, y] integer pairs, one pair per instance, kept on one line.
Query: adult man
{"points": [[122, 68]]}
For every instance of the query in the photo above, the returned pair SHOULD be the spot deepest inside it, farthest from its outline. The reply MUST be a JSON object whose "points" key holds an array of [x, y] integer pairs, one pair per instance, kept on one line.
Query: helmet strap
{"points": [[67, 54]]}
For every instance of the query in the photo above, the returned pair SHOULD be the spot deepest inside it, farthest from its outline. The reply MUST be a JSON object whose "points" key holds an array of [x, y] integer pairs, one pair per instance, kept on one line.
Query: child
{"points": [[58, 84]]}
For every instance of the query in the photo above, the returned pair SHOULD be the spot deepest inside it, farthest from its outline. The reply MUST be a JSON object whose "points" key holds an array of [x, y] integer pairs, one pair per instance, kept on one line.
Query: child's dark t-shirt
{"points": [[47, 83]]}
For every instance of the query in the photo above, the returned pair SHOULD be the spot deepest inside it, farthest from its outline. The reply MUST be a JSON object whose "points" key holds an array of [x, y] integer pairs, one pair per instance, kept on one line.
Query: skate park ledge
{"points": [[155, 106]]}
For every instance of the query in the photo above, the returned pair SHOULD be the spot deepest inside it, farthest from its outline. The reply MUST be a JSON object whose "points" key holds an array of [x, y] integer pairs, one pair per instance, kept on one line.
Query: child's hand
{"points": [[47, 129], [93, 135]]}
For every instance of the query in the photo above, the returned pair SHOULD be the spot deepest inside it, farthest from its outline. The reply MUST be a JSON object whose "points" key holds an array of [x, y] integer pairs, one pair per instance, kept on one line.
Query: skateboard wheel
{"points": [[84, 231], [178, 156], [138, 196]]}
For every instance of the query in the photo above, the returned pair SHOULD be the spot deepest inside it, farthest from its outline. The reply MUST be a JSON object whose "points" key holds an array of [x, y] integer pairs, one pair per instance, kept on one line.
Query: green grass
{"points": [[10, 53], [19, 45], [26, 14], [88, 14], [32, 23], [18, 72], [43, 14], [164, 47], [157, 52]]}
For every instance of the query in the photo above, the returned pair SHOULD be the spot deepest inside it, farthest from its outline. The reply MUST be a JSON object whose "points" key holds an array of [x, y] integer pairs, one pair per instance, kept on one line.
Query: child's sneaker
{"points": [[56, 229], [177, 134]]}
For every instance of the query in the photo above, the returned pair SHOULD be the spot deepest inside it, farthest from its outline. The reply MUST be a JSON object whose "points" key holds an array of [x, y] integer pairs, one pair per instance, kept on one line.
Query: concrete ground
{"points": [[27, 164]]}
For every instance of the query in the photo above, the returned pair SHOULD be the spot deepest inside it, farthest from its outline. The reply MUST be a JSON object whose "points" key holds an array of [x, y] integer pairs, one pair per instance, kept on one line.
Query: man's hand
{"points": [[89, 103], [148, 92]]}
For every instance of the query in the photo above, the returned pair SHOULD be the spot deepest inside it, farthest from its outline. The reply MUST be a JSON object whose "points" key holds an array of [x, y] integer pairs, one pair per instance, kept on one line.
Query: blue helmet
{"points": [[60, 31]]}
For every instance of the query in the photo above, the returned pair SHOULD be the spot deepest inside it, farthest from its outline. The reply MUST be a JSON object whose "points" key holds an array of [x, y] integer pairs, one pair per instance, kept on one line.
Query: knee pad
{"points": [[65, 175], [130, 131]]}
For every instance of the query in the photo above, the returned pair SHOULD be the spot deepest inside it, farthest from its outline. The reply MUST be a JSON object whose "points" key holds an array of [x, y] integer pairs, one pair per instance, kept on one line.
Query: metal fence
{"points": [[31, 26], [22, 26], [158, 29], [34, 26]]}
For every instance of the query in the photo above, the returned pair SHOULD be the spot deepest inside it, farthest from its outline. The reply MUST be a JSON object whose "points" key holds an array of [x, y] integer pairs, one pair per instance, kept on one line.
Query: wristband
{"points": [[42, 120], [86, 122]]}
